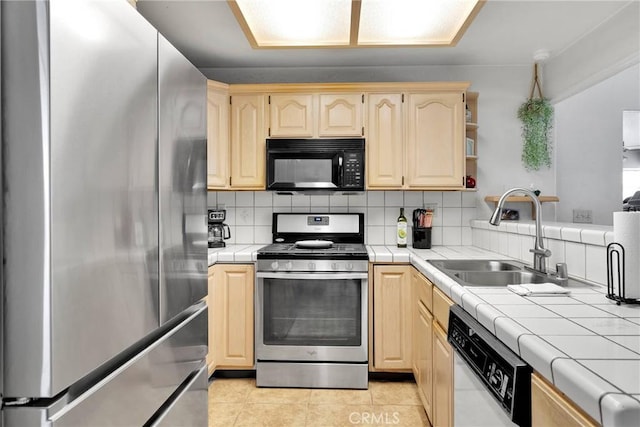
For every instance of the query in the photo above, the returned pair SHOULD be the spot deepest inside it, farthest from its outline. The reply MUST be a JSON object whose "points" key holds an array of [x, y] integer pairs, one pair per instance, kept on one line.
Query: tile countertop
{"points": [[583, 343]]}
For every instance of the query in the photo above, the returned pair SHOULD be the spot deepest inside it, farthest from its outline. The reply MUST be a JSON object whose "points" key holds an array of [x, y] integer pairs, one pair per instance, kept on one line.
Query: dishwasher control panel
{"points": [[501, 371]]}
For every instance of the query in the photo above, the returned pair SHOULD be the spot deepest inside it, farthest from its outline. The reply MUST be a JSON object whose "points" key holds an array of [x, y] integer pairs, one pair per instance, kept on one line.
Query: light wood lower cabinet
{"points": [[442, 379], [422, 338], [392, 317], [231, 315], [550, 408], [442, 403], [410, 321]]}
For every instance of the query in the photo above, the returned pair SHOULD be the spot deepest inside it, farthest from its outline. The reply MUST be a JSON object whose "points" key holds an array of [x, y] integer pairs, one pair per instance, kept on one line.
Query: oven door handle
{"points": [[307, 276]]}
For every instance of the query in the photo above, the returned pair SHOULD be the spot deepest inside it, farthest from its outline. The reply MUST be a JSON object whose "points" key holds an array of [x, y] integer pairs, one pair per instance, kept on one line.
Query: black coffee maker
{"points": [[218, 230]]}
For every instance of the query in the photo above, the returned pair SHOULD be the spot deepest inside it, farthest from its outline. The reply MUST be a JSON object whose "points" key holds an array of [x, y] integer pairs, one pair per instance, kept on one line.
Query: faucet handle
{"points": [[543, 252]]}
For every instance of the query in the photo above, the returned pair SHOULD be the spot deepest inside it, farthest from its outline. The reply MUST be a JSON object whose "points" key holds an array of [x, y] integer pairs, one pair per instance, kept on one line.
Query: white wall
{"points": [[588, 156], [502, 89]]}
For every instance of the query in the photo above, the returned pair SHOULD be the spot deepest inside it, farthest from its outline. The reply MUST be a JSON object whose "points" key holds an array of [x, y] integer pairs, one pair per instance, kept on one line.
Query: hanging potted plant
{"points": [[536, 115]]}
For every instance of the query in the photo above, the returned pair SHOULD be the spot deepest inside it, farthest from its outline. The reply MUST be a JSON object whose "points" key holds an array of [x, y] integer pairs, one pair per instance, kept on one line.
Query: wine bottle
{"points": [[401, 233]]}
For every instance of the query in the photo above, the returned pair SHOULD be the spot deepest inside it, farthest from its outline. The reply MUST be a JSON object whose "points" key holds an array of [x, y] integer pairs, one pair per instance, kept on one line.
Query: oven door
{"points": [[311, 317], [295, 171]]}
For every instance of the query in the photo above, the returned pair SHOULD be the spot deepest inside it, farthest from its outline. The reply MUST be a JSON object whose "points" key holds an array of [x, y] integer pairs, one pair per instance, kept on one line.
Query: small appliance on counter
{"points": [[422, 220], [218, 230]]}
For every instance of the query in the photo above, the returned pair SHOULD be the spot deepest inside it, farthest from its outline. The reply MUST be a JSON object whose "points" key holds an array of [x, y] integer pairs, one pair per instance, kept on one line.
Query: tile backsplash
{"points": [[249, 213]]}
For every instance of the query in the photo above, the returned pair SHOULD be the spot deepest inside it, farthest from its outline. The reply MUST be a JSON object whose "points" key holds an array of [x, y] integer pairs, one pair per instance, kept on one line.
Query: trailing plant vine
{"points": [[536, 115]]}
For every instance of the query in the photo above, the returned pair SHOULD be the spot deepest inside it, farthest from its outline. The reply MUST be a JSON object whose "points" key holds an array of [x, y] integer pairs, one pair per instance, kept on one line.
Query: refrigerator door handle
{"points": [[161, 417]]}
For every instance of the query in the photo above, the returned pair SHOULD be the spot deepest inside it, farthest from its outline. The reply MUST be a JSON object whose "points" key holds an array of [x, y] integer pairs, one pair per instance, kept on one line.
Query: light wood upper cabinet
{"points": [[291, 115], [435, 140], [248, 156], [384, 136], [217, 135], [318, 115], [392, 317], [232, 311], [341, 115], [550, 408]]}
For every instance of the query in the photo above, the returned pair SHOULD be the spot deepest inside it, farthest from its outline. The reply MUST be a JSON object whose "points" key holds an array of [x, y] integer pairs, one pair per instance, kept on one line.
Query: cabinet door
{"points": [[549, 407], [211, 360], [233, 315], [341, 115], [385, 151], [291, 115], [217, 136], [442, 379], [392, 317], [248, 142], [423, 353], [435, 140], [422, 338]]}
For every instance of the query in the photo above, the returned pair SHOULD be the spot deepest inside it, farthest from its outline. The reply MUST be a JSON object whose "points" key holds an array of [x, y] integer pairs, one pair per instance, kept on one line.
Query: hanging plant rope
{"points": [[536, 115]]}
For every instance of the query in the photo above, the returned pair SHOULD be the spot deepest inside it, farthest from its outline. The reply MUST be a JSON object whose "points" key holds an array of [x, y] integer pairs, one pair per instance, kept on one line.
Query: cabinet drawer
{"points": [[441, 304], [423, 289]]}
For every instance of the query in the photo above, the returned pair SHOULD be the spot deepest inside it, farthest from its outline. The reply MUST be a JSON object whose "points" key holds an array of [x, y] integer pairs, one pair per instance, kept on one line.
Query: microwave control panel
{"points": [[353, 175]]}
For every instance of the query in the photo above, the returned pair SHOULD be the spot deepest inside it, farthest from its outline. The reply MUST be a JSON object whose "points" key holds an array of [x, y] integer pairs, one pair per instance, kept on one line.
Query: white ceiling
{"points": [[505, 32]]}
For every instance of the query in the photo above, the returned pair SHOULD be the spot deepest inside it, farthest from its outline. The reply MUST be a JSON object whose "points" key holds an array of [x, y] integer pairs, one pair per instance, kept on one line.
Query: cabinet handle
{"points": [[229, 181], [402, 179], [362, 130]]}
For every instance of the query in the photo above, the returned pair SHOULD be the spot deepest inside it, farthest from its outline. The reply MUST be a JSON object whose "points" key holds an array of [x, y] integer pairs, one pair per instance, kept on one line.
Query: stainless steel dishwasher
{"points": [[492, 385]]}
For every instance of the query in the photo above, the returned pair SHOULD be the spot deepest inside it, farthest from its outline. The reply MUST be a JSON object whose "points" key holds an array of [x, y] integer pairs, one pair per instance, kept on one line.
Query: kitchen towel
{"points": [[626, 231], [538, 289]]}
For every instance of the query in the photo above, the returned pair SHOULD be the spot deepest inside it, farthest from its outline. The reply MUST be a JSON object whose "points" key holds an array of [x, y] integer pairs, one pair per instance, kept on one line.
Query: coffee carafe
{"points": [[218, 230]]}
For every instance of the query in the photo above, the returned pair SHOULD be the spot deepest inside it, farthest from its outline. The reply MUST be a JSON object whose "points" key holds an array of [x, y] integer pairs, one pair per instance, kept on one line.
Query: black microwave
{"points": [[315, 165]]}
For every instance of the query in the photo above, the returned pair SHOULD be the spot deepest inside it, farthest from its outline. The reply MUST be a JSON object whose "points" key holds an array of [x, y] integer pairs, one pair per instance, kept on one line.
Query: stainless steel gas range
{"points": [[311, 303]]}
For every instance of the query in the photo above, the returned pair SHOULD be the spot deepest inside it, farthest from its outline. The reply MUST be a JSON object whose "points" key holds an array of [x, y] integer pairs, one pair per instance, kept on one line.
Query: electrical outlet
{"points": [[583, 216], [433, 207]]}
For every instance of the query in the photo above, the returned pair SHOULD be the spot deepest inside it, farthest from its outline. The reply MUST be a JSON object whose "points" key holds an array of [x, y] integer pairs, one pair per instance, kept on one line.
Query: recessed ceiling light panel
{"points": [[296, 23], [413, 22], [353, 23]]}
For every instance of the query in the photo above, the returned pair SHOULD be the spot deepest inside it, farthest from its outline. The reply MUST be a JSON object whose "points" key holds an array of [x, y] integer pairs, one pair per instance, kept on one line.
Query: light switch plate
{"points": [[583, 216]]}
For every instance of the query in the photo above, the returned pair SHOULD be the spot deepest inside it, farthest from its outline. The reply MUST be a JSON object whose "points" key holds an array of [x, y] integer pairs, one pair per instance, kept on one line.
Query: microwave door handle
{"points": [[340, 173]]}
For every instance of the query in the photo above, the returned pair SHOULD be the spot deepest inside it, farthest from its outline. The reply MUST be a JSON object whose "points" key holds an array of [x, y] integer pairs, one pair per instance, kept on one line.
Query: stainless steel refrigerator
{"points": [[103, 220]]}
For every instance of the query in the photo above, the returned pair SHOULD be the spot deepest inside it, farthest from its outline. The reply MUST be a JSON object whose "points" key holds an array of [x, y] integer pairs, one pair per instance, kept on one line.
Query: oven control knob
{"points": [[349, 266], [312, 266], [334, 265], [274, 265], [288, 265]]}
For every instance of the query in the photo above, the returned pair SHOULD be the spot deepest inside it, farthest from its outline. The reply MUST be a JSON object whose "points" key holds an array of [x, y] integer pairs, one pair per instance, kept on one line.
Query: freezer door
{"points": [[182, 156], [81, 217], [155, 378], [185, 407]]}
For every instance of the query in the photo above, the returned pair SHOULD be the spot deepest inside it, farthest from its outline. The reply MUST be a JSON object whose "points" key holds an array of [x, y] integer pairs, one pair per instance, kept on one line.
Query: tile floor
{"points": [[237, 402]]}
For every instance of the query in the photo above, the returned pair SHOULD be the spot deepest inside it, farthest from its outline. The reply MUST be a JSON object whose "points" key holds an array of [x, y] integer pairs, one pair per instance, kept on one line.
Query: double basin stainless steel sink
{"points": [[475, 272]]}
